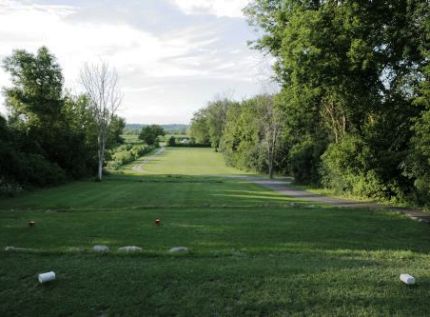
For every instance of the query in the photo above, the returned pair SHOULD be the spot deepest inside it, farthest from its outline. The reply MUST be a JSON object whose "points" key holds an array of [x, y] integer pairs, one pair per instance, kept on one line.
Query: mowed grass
{"points": [[182, 161], [253, 252]]}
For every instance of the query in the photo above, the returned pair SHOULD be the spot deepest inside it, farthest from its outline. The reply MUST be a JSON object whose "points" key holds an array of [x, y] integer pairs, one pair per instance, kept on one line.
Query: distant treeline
{"points": [[136, 128], [49, 136], [353, 113]]}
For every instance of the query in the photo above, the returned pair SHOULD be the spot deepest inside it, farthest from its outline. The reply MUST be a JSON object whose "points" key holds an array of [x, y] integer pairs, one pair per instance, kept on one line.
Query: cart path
{"points": [[283, 186], [139, 164]]}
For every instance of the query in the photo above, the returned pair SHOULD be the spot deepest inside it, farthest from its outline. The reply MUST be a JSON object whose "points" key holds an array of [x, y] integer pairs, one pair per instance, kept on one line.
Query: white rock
{"points": [[101, 248], [12, 248], [407, 279], [179, 250], [130, 249]]}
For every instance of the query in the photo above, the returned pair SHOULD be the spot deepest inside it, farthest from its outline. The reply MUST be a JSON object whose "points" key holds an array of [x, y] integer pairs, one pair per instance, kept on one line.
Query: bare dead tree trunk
{"points": [[101, 86], [274, 137], [336, 120], [271, 123]]}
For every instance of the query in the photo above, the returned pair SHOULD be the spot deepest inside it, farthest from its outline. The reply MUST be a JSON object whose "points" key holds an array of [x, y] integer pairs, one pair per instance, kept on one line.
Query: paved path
{"points": [[139, 164], [283, 186]]}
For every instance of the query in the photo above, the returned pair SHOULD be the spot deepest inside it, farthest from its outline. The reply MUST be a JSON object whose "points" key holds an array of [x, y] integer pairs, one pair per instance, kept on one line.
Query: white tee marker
{"points": [[407, 279]]}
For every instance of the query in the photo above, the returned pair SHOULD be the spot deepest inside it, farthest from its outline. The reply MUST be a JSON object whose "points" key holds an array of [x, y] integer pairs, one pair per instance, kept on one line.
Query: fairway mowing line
{"points": [[298, 205]]}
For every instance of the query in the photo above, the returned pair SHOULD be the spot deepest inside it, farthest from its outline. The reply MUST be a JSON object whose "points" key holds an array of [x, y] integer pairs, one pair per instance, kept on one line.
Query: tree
{"points": [[199, 129], [102, 89], [350, 72], [150, 134], [272, 123], [35, 100], [172, 141], [36, 122], [216, 115]]}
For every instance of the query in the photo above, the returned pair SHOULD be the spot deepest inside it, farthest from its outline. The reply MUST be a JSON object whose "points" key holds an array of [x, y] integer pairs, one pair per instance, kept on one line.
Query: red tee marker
{"points": [[157, 222]]}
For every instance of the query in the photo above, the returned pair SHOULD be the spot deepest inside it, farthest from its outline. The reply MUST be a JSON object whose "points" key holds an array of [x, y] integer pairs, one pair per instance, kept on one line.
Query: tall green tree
{"points": [[49, 136], [349, 71], [216, 115], [35, 99], [199, 129], [150, 134], [35, 104]]}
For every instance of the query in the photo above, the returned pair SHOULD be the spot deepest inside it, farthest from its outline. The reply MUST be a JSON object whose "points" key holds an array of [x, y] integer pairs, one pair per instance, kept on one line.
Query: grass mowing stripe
{"points": [[253, 251]]}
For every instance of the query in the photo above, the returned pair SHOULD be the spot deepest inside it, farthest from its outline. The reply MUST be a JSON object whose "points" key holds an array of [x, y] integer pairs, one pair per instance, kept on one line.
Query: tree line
{"points": [[353, 113], [50, 135]]}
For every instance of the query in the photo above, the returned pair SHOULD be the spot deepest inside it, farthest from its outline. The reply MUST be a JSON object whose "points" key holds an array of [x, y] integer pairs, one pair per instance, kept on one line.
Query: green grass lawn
{"points": [[131, 138], [182, 161], [253, 252]]}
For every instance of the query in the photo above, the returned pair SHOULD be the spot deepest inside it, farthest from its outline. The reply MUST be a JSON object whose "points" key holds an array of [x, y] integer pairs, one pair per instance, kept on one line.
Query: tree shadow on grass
{"points": [[312, 284], [196, 209]]}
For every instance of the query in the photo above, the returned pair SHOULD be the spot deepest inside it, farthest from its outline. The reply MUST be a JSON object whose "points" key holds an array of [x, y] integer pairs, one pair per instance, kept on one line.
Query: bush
{"points": [[9, 188], [347, 168], [36, 170], [304, 161], [171, 141], [128, 153]]}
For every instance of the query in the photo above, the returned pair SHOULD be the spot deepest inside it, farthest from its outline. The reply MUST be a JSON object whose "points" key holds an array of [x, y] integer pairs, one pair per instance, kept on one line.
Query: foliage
{"points": [[248, 133], [171, 141], [9, 189], [150, 134], [346, 167], [304, 161], [241, 143], [354, 77], [207, 125], [199, 129], [128, 153], [49, 137]]}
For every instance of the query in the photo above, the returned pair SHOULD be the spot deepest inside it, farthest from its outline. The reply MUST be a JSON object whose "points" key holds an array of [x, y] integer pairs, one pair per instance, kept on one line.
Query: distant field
{"points": [[131, 138], [169, 128], [182, 161], [253, 252]]}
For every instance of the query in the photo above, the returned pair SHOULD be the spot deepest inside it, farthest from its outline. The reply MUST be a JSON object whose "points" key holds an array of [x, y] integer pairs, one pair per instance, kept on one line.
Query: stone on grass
{"points": [[179, 250], [12, 248], [130, 249], [100, 248]]}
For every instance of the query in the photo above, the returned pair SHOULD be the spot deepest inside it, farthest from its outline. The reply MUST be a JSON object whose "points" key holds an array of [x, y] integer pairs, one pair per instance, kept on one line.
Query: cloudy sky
{"points": [[172, 55]]}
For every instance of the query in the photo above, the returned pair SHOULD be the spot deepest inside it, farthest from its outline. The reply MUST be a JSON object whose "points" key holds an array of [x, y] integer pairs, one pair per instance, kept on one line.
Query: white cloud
{"points": [[220, 8], [169, 75]]}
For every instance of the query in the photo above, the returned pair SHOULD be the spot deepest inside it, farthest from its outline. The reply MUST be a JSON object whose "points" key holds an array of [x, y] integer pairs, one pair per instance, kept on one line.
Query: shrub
{"points": [[347, 168], [128, 153], [171, 141], [9, 188], [36, 170], [304, 161]]}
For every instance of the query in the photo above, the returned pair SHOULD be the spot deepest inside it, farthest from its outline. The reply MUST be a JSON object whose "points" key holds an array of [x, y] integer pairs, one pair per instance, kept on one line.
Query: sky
{"points": [[172, 56]]}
